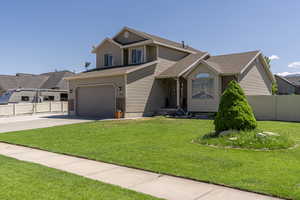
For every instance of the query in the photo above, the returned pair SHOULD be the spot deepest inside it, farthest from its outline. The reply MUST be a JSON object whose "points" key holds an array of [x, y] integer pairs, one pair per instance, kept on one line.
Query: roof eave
{"points": [[93, 76], [125, 28], [94, 50], [287, 81], [99, 75], [137, 44], [193, 64]]}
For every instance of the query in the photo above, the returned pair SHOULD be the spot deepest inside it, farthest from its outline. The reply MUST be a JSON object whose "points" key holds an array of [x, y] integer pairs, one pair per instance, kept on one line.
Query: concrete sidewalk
{"points": [[162, 186]]}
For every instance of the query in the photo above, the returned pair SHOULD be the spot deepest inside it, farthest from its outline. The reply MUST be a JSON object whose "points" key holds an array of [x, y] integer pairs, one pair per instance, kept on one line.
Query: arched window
{"points": [[203, 86]]}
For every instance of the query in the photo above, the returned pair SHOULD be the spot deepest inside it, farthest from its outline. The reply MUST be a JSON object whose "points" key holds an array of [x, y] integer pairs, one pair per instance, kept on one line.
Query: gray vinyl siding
{"points": [[109, 48], [255, 80], [144, 92], [151, 53], [117, 81], [204, 105], [170, 54]]}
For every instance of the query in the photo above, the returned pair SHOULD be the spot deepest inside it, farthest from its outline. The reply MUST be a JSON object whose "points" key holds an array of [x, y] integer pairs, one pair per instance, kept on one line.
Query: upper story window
{"points": [[137, 56], [108, 60], [203, 86]]}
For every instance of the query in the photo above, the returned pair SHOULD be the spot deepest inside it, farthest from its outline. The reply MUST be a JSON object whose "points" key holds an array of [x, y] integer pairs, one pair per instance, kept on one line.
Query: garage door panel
{"points": [[97, 101]]}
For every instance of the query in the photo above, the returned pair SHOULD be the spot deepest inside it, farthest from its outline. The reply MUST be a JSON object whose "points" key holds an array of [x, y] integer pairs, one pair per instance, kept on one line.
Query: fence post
{"points": [[50, 106], [62, 106], [14, 109], [275, 107]]}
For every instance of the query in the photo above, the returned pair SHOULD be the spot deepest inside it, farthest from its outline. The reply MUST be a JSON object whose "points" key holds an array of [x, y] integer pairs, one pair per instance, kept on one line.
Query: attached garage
{"points": [[96, 101]]}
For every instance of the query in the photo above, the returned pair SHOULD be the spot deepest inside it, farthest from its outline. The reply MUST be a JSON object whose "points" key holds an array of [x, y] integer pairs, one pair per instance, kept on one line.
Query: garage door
{"points": [[97, 101]]}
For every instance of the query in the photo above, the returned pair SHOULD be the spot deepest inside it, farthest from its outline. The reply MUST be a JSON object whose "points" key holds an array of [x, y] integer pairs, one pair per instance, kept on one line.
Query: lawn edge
{"points": [[153, 171], [246, 149]]}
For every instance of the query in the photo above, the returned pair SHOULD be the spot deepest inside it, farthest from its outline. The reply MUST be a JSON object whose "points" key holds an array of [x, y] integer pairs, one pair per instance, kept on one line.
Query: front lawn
{"points": [[165, 145], [26, 181]]}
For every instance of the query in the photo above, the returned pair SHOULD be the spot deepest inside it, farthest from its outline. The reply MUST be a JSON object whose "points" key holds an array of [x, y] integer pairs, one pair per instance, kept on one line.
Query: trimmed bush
{"points": [[234, 111]]}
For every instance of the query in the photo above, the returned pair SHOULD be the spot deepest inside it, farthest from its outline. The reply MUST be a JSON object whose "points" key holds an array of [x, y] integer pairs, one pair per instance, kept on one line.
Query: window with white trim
{"points": [[108, 60], [203, 86], [137, 56]]}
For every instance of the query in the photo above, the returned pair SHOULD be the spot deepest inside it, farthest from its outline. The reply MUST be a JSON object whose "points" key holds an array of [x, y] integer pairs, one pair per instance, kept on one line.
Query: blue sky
{"points": [[40, 36]]}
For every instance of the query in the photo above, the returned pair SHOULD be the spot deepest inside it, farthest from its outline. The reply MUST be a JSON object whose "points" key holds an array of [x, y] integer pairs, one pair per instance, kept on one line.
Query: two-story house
{"points": [[139, 74]]}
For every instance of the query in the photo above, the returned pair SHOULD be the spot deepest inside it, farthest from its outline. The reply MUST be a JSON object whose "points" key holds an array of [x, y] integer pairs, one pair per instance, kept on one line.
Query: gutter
{"points": [[99, 75], [192, 65]]}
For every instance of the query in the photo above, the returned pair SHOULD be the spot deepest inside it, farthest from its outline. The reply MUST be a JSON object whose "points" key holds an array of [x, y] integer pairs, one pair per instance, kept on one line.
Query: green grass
{"points": [[165, 145], [248, 139], [26, 181]]}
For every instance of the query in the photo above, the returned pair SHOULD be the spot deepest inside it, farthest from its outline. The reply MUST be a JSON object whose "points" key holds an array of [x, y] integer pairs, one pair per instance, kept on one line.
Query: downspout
{"points": [[178, 93]]}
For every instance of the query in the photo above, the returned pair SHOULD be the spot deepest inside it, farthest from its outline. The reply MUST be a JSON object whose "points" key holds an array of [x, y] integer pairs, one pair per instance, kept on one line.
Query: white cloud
{"points": [[294, 65], [287, 73], [274, 57]]}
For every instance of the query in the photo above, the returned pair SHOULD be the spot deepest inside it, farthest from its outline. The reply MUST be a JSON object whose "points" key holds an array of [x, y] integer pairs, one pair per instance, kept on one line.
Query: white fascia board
{"points": [[103, 41], [192, 65]]}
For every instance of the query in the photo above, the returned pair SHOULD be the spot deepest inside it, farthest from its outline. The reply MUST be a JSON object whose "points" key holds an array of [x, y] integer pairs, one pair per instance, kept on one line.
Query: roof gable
{"points": [[94, 50], [128, 36], [182, 66]]}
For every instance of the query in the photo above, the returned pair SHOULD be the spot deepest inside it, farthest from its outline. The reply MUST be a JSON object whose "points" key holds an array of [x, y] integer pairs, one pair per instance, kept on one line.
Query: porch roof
{"points": [[110, 71], [182, 66]]}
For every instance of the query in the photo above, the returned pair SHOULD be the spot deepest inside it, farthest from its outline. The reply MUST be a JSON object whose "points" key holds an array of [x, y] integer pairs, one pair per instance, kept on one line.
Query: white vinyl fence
{"points": [[278, 107], [31, 108]]}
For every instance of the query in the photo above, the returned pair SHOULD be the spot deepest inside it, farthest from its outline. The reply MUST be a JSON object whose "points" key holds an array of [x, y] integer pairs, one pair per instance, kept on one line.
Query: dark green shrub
{"points": [[234, 111]]}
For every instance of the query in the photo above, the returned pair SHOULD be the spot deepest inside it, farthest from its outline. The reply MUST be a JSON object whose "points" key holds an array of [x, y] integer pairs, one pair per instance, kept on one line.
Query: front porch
{"points": [[175, 93]]}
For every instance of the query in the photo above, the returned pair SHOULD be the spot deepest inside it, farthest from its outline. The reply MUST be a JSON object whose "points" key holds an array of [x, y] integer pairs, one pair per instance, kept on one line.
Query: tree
{"points": [[234, 111], [274, 84], [268, 61], [274, 88]]}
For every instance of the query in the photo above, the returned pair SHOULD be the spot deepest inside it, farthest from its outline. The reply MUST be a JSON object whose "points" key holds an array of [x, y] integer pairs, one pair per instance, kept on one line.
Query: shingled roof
{"points": [[51, 80], [163, 40], [182, 65], [111, 71], [21, 81], [56, 80], [231, 63], [223, 64], [293, 79]]}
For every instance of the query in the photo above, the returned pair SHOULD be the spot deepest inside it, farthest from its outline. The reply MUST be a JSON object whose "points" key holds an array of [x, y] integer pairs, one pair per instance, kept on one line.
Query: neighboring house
{"points": [[294, 79], [139, 74], [285, 87], [34, 88]]}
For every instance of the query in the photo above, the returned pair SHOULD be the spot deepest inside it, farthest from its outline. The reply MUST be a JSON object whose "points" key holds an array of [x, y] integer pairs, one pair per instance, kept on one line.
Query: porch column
{"points": [[178, 93]]}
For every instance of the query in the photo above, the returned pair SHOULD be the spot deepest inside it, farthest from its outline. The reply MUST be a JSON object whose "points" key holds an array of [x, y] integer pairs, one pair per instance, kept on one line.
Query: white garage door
{"points": [[96, 101]]}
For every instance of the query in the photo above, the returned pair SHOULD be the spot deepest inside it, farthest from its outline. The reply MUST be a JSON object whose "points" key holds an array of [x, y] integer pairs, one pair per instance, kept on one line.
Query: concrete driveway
{"points": [[19, 123]]}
